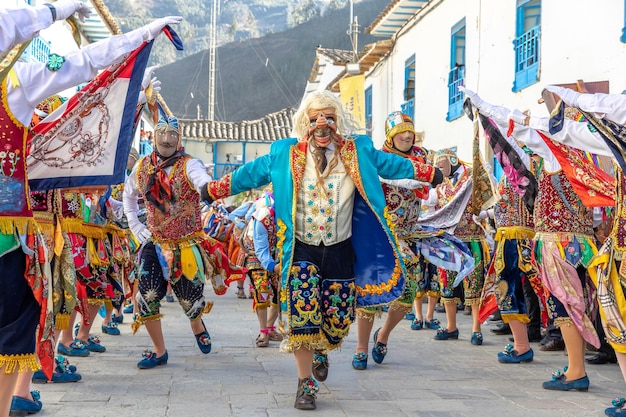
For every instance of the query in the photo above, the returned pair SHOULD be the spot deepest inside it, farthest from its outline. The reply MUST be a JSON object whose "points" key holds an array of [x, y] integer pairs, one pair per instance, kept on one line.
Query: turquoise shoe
{"points": [[559, 383], [616, 410], [417, 324], [477, 338], [444, 334], [111, 329], [93, 345], [433, 324], [76, 348], [150, 360], [379, 351], [21, 406], [359, 361], [511, 356]]}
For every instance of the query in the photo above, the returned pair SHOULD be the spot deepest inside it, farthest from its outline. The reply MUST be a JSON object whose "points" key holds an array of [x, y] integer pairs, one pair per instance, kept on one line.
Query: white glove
{"points": [[518, 117], [152, 30], [140, 231], [569, 96], [156, 85], [66, 8], [147, 76], [476, 100]]}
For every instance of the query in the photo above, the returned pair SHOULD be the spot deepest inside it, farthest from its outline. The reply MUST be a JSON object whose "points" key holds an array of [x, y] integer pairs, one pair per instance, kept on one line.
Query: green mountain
{"points": [[255, 77]]}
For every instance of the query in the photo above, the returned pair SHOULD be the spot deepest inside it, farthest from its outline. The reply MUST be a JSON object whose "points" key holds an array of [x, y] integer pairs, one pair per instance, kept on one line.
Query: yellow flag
{"points": [[352, 97]]}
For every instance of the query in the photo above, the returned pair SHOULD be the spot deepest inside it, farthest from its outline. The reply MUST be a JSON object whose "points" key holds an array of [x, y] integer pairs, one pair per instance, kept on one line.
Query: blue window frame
{"points": [[623, 37], [408, 106], [368, 110], [456, 76], [526, 43]]}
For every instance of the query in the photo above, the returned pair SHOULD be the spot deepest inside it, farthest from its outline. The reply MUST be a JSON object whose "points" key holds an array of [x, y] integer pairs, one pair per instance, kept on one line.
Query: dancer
{"points": [[174, 248], [317, 176]]}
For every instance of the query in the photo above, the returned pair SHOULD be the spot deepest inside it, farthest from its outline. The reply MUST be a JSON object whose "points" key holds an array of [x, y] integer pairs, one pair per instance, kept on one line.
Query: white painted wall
{"points": [[580, 40]]}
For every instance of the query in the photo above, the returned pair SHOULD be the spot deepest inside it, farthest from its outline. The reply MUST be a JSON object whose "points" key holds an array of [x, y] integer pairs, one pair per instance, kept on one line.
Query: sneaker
{"points": [[150, 360], [359, 361], [76, 348], [93, 345]]}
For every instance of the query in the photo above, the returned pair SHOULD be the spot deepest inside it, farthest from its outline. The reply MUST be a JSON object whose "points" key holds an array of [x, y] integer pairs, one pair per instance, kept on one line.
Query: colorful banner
{"points": [[352, 97], [86, 141]]}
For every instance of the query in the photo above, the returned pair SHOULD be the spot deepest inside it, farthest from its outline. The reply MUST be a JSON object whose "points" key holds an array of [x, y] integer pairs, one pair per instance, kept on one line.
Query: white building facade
{"points": [[505, 50]]}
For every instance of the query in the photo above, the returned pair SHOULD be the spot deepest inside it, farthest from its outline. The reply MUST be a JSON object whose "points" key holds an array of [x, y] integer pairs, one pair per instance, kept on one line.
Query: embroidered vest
{"points": [[182, 215], [14, 199], [559, 209], [511, 211]]}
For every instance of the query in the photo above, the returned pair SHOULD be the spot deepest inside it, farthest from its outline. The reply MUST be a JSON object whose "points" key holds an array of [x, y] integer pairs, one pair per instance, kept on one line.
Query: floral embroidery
{"points": [[55, 62]]}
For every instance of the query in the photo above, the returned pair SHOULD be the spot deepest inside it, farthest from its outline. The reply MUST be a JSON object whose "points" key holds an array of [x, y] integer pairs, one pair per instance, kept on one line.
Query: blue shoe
{"points": [[559, 383], [59, 377], [76, 348], [511, 356], [93, 345], [444, 334], [128, 309], [379, 350], [204, 341], [102, 311], [359, 361], [111, 328], [64, 363], [434, 324], [417, 324], [21, 406], [117, 319], [169, 298], [616, 410], [409, 316], [477, 338], [150, 360]]}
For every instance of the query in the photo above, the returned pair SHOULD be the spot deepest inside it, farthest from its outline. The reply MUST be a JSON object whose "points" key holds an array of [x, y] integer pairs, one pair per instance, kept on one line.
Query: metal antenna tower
{"points": [[212, 54]]}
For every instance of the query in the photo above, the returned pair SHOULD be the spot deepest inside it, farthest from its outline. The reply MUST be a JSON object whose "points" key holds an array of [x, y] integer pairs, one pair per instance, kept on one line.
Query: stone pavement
{"points": [[420, 377]]}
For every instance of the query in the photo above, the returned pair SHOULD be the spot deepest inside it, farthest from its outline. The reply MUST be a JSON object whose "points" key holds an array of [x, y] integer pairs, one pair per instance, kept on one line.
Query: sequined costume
{"points": [[320, 311]]}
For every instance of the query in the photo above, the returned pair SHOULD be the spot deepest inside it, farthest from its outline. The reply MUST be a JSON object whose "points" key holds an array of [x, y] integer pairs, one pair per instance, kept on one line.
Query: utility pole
{"points": [[212, 55], [353, 68]]}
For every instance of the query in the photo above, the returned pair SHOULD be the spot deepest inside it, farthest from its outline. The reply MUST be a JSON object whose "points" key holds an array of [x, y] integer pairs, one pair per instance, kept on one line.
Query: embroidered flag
{"points": [[484, 194], [595, 187]]}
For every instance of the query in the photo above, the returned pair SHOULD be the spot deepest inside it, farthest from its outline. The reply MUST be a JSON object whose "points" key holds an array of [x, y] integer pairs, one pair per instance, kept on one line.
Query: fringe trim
{"points": [[472, 301], [523, 318], [97, 301], [188, 241], [22, 224], [139, 321], [368, 314], [517, 232], [78, 226], [397, 305], [454, 300], [208, 306], [563, 322], [19, 363], [310, 341], [62, 321]]}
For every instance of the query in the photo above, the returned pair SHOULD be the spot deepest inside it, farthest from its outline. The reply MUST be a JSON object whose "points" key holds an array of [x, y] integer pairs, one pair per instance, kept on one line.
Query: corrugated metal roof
{"points": [[394, 17], [367, 58], [270, 128]]}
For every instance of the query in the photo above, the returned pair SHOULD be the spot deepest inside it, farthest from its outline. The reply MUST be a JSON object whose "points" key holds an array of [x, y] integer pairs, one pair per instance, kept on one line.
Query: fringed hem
{"points": [[367, 313], [563, 322], [96, 301], [9, 364], [139, 321], [208, 306], [522, 318], [508, 233], [62, 321], [472, 301], [311, 342], [454, 300], [397, 305]]}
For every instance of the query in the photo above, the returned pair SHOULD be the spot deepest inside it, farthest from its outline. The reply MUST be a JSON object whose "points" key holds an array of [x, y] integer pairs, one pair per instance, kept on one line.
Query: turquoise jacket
{"points": [[379, 268]]}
